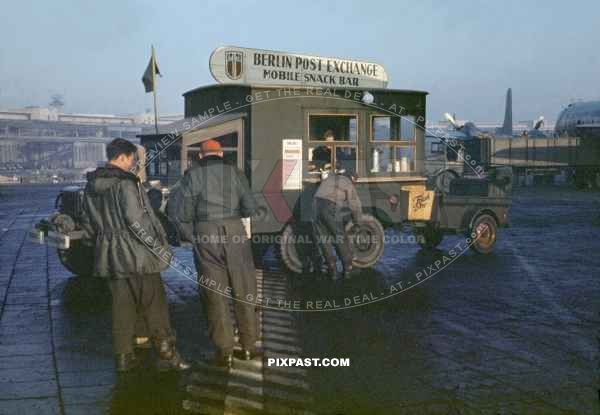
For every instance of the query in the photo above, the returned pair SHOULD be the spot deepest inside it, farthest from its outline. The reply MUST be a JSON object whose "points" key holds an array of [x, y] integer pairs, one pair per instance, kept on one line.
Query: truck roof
{"points": [[384, 90], [191, 123]]}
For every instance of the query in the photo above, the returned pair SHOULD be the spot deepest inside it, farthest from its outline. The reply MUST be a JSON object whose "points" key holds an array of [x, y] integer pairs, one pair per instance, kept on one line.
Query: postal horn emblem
{"points": [[421, 202], [234, 64]]}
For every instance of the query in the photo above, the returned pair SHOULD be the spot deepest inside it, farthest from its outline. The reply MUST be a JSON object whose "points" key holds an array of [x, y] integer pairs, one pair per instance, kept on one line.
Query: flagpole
{"points": [[154, 90]]}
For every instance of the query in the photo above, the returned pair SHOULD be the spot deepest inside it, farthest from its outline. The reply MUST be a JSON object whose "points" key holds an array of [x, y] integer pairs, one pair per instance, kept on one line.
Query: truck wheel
{"points": [[367, 241], [485, 229], [429, 236], [443, 179], [290, 257], [79, 259]]}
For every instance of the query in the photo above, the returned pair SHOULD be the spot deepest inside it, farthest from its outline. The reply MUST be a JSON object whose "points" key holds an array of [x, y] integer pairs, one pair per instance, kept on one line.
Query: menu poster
{"points": [[292, 164]]}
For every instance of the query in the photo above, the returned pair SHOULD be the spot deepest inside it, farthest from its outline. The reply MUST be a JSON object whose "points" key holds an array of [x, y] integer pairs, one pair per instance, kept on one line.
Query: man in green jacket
{"points": [[130, 249]]}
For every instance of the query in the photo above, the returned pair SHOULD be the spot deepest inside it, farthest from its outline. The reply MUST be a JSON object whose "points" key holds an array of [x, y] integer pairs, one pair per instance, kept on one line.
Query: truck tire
{"points": [[429, 236], [483, 231], [79, 259], [289, 255], [367, 241]]}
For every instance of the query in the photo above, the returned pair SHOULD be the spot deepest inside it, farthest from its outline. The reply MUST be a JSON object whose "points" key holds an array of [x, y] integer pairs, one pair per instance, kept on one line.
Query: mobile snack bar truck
{"points": [[271, 110]]}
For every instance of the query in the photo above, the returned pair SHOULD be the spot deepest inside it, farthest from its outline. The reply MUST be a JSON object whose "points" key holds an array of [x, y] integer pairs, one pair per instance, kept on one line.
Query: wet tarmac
{"points": [[516, 331]]}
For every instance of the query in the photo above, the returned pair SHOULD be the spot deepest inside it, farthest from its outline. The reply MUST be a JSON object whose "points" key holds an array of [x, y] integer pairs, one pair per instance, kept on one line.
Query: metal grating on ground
{"points": [[253, 387]]}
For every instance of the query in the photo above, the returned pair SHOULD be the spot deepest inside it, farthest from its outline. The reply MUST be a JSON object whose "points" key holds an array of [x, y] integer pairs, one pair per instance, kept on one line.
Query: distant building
{"points": [[37, 138], [52, 114]]}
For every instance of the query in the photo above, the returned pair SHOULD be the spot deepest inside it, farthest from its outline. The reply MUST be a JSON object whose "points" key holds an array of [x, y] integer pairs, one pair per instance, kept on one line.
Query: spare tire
{"points": [[367, 238], [291, 257]]}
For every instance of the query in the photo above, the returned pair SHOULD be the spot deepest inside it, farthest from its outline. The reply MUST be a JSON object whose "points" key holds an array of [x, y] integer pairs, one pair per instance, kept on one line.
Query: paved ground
{"points": [[513, 332]]}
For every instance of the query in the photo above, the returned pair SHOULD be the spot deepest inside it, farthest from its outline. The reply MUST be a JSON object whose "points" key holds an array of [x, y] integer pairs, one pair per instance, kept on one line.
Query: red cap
{"points": [[211, 146]]}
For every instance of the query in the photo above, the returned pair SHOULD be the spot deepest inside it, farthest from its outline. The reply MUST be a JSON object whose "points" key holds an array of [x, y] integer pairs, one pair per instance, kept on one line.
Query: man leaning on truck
{"points": [[335, 200]]}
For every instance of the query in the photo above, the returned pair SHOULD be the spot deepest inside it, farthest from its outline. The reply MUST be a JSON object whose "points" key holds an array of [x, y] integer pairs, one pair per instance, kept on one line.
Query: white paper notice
{"points": [[292, 164]]}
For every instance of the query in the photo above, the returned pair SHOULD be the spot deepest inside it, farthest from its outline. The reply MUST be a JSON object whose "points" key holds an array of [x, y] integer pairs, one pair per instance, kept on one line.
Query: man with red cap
{"points": [[209, 203]]}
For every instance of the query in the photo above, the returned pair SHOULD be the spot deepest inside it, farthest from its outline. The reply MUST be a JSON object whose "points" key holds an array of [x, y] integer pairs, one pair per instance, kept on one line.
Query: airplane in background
{"points": [[579, 119], [507, 126], [466, 130], [443, 164], [536, 131], [470, 130]]}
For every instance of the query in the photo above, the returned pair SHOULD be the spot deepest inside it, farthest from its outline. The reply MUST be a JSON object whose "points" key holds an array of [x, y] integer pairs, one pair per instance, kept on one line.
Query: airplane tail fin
{"points": [[507, 126]]}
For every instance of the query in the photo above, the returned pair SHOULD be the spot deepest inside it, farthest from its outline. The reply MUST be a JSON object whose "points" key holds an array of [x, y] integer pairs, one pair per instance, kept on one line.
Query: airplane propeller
{"points": [[538, 124], [452, 121]]}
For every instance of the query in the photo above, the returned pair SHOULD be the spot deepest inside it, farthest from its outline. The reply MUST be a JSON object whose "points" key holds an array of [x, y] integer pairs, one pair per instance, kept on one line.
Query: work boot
{"points": [[168, 356], [126, 362]]}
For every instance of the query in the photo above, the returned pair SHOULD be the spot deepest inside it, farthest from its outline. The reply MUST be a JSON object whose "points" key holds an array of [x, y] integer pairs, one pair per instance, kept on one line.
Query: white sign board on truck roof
{"points": [[257, 67]]}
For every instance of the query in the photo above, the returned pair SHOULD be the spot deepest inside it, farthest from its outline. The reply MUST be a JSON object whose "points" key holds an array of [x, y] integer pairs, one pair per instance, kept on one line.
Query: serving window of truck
{"points": [[390, 146], [337, 135], [392, 142]]}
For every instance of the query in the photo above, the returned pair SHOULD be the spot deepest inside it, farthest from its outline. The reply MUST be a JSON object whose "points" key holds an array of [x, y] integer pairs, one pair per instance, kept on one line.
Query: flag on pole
{"points": [[149, 78], [149, 81]]}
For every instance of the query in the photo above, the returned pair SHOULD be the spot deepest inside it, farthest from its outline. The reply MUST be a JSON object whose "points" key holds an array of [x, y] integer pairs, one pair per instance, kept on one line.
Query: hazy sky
{"points": [[465, 53]]}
